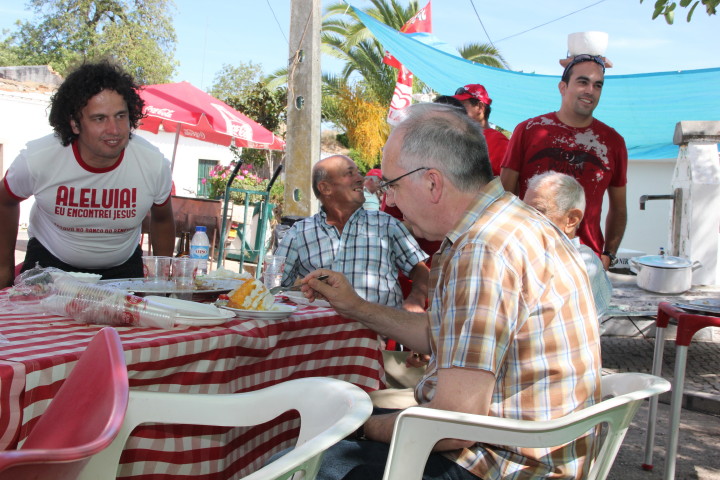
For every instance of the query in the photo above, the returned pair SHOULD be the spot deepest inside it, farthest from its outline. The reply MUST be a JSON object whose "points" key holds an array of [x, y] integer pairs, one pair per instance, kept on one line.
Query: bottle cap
{"points": [[201, 229]]}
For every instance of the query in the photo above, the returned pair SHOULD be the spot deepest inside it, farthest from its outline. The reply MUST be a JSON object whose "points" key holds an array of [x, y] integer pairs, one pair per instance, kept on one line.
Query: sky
{"points": [[212, 33]]}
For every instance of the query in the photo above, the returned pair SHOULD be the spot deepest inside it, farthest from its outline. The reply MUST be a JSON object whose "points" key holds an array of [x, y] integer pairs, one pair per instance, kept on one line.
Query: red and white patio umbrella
{"points": [[188, 111]]}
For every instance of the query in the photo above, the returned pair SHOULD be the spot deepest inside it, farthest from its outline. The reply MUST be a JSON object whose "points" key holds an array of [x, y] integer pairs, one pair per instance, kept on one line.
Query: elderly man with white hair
{"points": [[561, 199]]}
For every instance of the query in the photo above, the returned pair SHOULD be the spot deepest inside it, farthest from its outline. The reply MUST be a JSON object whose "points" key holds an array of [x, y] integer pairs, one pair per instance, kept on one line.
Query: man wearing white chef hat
{"points": [[511, 326], [573, 142]]}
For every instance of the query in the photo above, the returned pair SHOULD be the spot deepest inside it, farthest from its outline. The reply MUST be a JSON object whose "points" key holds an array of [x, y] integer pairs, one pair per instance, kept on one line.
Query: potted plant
{"points": [[217, 179]]}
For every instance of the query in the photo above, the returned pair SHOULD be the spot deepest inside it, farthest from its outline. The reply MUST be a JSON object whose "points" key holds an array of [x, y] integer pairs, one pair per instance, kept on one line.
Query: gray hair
{"points": [[320, 173], [442, 137], [564, 190]]}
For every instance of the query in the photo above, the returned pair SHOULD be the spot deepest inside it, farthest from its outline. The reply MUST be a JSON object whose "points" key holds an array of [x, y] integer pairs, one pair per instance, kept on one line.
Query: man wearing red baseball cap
{"points": [[372, 181], [476, 101]]}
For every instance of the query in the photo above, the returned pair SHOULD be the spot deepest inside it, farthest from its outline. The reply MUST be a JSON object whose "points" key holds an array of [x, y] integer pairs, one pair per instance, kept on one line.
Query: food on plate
{"points": [[250, 294]]}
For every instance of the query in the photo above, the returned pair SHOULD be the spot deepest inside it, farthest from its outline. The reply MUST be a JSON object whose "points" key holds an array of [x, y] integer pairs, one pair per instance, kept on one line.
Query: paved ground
{"points": [[698, 452], [699, 441], [699, 445]]}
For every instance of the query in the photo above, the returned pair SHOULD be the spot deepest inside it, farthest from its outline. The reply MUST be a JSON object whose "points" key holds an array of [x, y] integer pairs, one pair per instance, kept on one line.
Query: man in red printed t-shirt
{"points": [[573, 142], [92, 181]]}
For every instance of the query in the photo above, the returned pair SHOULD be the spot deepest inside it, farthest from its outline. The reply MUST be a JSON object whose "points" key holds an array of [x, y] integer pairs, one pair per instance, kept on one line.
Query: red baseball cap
{"points": [[474, 90], [375, 172]]}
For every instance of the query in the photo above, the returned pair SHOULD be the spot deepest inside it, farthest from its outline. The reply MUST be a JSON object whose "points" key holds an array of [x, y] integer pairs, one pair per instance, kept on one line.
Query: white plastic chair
{"points": [[329, 411], [418, 429]]}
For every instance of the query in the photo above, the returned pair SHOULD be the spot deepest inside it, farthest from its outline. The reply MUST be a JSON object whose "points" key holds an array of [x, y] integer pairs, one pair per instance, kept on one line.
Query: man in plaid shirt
{"points": [[369, 247], [511, 329]]}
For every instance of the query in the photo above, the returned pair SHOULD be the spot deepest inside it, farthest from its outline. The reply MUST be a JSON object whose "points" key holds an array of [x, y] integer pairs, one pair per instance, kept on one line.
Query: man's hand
{"points": [[605, 262], [335, 289], [414, 304], [417, 360]]}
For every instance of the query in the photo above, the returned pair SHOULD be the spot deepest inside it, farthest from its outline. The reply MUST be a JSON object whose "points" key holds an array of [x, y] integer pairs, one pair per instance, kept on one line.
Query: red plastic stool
{"points": [[688, 324]]}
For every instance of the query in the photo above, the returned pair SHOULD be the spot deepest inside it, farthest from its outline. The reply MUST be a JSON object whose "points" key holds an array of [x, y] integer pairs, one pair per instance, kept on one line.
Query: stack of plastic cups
{"points": [[96, 304]]}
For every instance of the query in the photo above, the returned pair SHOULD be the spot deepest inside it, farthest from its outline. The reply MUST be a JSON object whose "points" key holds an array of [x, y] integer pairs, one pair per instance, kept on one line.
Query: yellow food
{"points": [[251, 295]]}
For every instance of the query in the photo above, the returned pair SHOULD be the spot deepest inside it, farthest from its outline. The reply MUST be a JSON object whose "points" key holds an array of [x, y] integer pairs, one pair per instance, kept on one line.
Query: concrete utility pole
{"points": [[303, 120]]}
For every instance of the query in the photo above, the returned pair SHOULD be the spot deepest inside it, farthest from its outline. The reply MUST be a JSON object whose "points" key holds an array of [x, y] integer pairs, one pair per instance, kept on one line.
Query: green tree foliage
{"points": [[345, 37], [484, 54], [236, 81], [266, 107], [138, 34], [241, 87], [667, 8]]}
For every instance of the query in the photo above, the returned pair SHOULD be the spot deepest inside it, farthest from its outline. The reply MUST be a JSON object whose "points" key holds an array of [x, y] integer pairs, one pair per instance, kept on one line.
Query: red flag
{"points": [[420, 22]]}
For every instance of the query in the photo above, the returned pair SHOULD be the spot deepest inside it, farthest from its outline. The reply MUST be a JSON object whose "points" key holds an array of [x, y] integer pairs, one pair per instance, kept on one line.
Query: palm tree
{"points": [[345, 37], [484, 54]]}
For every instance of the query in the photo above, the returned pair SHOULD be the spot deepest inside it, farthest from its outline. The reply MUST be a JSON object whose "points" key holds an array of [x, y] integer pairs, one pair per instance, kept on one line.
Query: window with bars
{"points": [[204, 167]]}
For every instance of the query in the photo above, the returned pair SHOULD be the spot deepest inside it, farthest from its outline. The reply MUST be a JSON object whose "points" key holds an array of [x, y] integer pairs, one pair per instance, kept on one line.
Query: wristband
{"points": [[613, 258]]}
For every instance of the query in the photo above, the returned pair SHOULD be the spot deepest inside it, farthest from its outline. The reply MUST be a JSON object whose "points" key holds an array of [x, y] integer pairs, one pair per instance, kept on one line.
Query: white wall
{"points": [[189, 152], [23, 117], [649, 229]]}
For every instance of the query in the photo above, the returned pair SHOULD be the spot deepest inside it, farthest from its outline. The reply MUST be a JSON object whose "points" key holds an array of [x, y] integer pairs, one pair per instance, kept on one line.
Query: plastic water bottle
{"points": [[200, 249]]}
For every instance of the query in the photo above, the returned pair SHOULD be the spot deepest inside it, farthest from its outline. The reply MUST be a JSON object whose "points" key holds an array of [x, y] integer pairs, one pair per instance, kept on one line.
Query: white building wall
{"points": [[189, 152], [649, 229]]}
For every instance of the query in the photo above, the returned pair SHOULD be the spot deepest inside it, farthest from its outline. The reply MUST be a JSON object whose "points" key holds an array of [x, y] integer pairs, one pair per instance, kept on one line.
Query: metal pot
{"points": [[663, 273]]}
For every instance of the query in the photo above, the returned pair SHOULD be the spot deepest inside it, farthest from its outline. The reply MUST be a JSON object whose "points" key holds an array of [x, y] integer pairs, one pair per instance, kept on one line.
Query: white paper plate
{"points": [[299, 298], [192, 321], [279, 312], [138, 285], [186, 308], [192, 313]]}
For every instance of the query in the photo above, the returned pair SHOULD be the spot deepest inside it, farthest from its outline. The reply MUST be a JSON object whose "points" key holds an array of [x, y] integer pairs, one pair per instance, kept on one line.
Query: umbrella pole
{"points": [[177, 138]]}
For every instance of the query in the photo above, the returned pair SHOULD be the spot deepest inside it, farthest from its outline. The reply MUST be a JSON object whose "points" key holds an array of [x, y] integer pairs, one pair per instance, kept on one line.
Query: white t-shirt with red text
{"points": [[85, 216]]}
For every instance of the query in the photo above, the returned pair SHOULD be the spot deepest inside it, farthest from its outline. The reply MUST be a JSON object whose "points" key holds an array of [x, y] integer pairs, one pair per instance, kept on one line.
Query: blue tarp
{"points": [[643, 108]]}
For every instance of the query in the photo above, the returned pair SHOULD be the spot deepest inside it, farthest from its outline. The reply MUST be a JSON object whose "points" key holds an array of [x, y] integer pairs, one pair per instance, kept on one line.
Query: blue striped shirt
{"points": [[372, 247]]}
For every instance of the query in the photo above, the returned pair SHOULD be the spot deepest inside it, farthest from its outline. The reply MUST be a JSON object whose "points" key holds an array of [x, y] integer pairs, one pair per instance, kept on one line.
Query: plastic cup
{"points": [[184, 270], [156, 269], [96, 304], [273, 268]]}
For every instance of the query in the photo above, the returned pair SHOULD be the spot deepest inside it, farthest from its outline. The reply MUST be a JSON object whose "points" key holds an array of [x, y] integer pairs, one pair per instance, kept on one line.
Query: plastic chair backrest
{"points": [[418, 429], [329, 409], [82, 418]]}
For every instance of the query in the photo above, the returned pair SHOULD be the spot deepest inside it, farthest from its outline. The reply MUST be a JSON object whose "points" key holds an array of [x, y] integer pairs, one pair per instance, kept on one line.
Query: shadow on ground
{"points": [[698, 452]]}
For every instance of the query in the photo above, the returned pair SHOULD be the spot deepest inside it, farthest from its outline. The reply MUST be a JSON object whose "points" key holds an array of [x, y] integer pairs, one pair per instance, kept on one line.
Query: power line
{"points": [[547, 23], [278, 23], [481, 24]]}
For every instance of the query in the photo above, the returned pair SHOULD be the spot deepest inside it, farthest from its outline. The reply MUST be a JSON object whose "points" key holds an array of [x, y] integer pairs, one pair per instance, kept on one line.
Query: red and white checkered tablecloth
{"points": [[238, 356]]}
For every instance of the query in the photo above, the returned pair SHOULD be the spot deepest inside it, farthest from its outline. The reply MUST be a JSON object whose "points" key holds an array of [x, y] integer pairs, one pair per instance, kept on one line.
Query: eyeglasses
{"points": [[584, 58], [384, 187]]}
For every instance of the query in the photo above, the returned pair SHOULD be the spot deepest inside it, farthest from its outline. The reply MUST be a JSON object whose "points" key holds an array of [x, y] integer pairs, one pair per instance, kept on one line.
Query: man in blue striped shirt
{"points": [[368, 247]]}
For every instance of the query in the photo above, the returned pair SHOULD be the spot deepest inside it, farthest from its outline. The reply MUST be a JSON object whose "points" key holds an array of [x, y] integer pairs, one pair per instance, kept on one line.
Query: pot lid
{"points": [[664, 261]]}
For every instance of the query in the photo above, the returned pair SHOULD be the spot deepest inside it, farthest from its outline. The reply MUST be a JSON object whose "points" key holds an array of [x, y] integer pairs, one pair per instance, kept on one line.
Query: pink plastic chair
{"points": [[82, 419], [688, 324]]}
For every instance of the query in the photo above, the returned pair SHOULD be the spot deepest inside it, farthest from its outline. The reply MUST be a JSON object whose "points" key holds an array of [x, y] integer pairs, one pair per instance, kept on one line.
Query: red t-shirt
{"points": [[595, 156], [497, 144]]}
